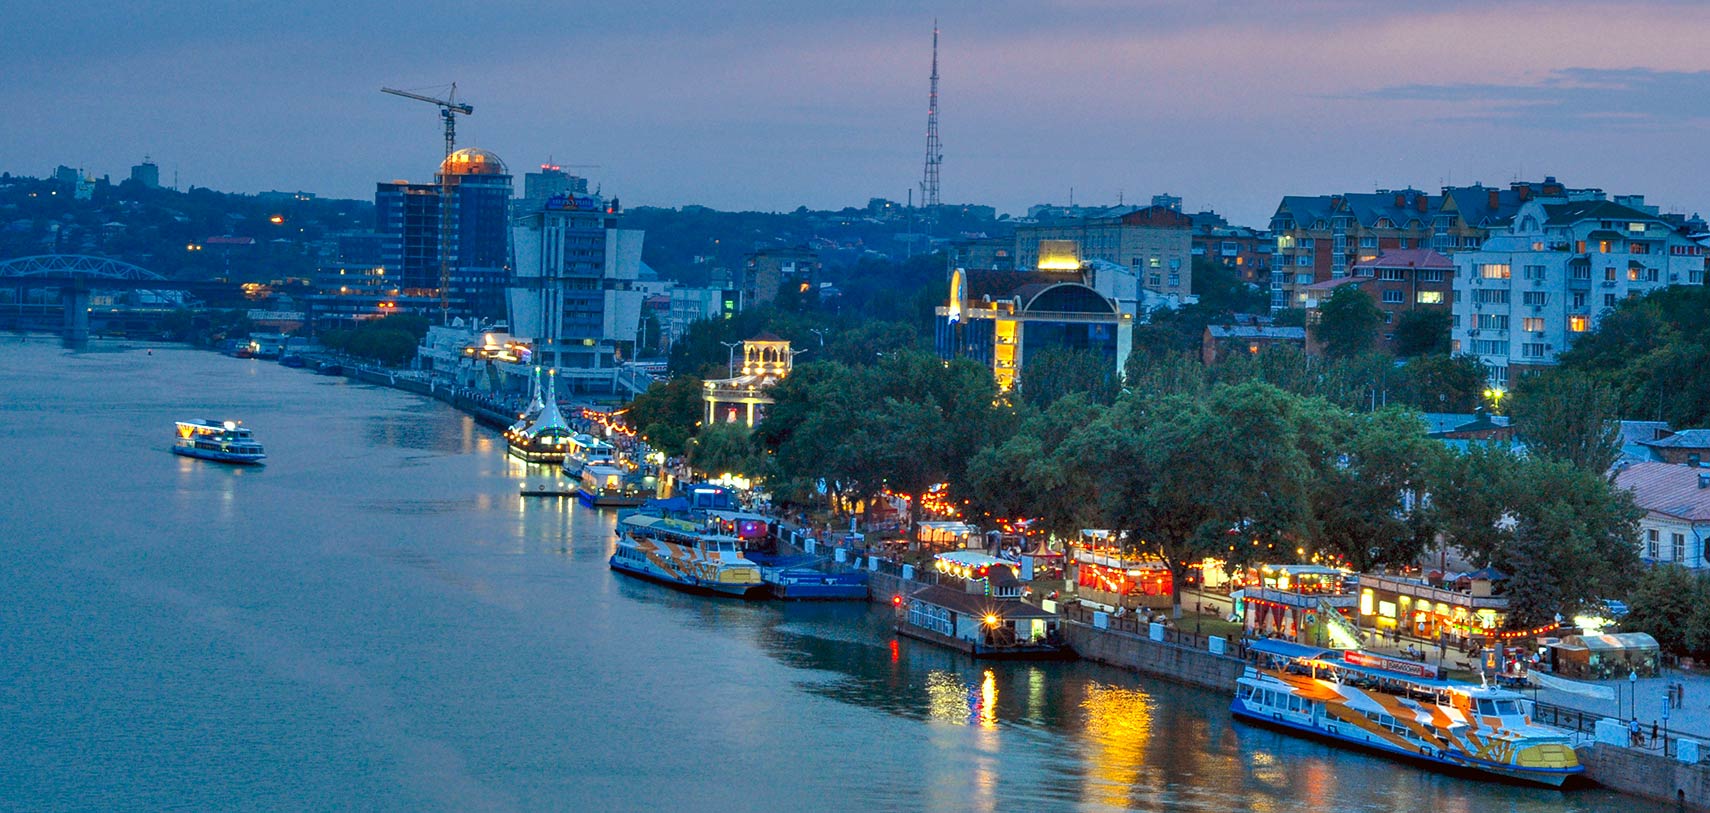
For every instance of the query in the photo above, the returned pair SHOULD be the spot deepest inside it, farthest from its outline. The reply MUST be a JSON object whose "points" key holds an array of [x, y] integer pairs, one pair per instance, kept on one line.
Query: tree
{"points": [[1054, 372], [1347, 322], [1568, 416], [1422, 332], [1186, 479], [1664, 602], [1366, 469], [1469, 498], [1575, 542], [1220, 288], [1029, 475], [1442, 383], [724, 448], [668, 413]]}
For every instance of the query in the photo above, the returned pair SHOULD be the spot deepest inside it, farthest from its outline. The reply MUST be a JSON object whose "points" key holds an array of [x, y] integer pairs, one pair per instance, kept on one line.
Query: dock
{"points": [[548, 490]]}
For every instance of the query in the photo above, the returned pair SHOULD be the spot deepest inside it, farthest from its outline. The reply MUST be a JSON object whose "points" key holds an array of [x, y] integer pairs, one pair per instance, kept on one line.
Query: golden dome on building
{"points": [[472, 161]]}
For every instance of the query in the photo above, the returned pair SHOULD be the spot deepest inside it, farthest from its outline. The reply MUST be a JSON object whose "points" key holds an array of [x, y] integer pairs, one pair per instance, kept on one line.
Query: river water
{"points": [[376, 620]]}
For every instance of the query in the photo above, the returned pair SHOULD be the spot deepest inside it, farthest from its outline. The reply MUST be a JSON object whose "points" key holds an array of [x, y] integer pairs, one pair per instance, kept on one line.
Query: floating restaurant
{"points": [[976, 608], [1414, 607], [1108, 576]]}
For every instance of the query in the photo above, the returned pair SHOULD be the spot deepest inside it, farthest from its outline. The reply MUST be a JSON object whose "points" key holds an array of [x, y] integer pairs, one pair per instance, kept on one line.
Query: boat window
{"points": [[1486, 707], [1246, 691], [1506, 707], [1293, 703]]}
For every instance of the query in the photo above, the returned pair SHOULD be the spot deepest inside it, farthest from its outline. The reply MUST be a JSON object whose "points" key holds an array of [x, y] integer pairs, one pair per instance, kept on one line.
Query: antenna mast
{"points": [[934, 150]]}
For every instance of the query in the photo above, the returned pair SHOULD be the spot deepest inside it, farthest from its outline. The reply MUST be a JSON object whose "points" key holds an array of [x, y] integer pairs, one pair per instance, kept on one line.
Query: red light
{"points": [[896, 601]]}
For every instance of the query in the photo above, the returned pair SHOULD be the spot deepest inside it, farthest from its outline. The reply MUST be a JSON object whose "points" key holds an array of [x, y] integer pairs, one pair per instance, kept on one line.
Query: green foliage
{"points": [[1655, 352], [1422, 332], [1668, 602], [669, 413], [1566, 415], [1363, 468], [906, 423], [866, 342], [1221, 289], [1565, 536], [1055, 372], [724, 448], [1028, 475], [391, 340], [1289, 317], [1442, 383], [1348, 323]]}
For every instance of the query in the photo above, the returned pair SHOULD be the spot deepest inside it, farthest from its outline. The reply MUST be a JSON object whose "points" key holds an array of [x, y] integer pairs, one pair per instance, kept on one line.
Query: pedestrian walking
{"points": [[1653, 733], [1634, 738]]}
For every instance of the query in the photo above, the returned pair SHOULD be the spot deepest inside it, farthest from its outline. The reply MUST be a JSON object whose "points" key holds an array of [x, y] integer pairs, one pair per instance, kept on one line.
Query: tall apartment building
{"points": [[1245, 250], [407, 217], [551, 180], [1155, 241], [573, 296], [1533, 287], [768, 270], [1322, 237]]}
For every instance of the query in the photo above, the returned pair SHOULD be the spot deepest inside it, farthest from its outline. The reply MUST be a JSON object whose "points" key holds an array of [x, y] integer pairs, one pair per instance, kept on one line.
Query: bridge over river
{"points": [[55, 291]]}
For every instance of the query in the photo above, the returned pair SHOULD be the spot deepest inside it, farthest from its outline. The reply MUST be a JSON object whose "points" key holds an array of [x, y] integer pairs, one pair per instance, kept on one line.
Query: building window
{"points": [[1490, 347], [1608, 300], [1609, 274], [1652, 543], [1486, 296], [1153, 262], [1175, 280], [1533, 350], [1534, 272], [1638, 248], [1156, 280], [1392, 297], [1303, 260], [1175, 263], [1499, 375], [1392, 274], [1579, 299], [1308, 242], [1633, 273], [1677, 546], [1430, 297], [1538, 298], [1534, 324], [1368, 241], [1636, 228], [1494, 270], [1429, 274], [1491, 321], [1602, 246]]}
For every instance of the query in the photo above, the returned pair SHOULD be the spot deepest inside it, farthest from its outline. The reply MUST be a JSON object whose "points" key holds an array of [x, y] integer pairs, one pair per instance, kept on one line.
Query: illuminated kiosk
{"points": [[744, 399], [1306, 604], [1002, 318]]}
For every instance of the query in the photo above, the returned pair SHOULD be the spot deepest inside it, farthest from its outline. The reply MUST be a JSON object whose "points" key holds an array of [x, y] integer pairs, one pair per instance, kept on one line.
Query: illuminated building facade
{"points": [[1410, 607], [744, 398], [998, 318], [767, 272], [408, 219], [574, 294]]}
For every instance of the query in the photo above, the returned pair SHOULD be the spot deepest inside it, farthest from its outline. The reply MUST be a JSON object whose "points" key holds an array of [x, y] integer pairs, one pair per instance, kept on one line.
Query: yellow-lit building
{"points": [[1000, 317], [766, 360]]}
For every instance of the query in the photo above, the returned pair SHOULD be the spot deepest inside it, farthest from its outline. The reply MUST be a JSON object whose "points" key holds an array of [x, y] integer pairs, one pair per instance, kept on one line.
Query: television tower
{"points": [[934, 151]]}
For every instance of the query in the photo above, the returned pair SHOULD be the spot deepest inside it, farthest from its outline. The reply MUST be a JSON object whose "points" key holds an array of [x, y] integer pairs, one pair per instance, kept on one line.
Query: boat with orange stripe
{"points": [[682, 554], [1401, 709]]}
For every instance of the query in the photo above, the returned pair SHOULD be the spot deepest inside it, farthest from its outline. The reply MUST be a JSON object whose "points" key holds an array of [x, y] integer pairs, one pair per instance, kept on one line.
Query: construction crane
{"points": [[449, 107]]}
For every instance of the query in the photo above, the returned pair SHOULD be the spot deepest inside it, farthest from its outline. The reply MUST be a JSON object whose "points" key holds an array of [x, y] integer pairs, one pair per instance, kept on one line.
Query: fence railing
{"points": [[1137, 625]]}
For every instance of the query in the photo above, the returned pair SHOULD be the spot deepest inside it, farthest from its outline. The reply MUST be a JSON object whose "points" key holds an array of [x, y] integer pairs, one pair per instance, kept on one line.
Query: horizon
{"points": [[752, 108]]}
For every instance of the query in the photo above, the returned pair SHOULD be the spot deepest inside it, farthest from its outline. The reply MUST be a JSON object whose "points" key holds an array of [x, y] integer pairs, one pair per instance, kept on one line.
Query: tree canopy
{"points": [[1348, 322]]}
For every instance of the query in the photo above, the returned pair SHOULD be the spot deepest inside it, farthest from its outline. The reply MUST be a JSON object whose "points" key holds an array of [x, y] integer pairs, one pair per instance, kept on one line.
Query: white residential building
{"points": [[1676, 502], [1532, 288], [574, 296]]}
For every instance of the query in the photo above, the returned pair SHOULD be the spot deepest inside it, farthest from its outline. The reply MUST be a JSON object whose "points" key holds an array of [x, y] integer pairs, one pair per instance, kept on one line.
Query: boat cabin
{"points": [[982, 626]]}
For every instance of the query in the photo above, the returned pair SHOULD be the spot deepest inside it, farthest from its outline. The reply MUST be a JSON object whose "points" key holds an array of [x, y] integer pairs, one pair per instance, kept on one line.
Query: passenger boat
{"points": [[1400, 709], [802, 578], [223, 441], [612, 487], [681, 554], [585, 450], [543, 440]]}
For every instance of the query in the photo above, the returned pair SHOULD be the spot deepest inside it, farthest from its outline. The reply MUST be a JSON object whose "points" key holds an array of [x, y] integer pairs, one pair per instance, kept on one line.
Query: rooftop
{"points": [[1669, 489]]}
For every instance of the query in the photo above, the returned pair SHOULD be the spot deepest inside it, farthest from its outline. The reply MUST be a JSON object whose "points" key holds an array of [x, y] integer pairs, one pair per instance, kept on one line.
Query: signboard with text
{"points": [[1388, 664]]}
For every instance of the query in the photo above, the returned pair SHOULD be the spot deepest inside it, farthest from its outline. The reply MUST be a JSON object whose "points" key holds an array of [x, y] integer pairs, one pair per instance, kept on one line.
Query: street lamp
{"points": [[730, 366], [1633, 695]]}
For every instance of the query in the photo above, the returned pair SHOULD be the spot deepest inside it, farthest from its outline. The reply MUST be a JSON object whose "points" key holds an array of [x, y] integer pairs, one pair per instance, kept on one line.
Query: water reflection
{"points": [[1116, 727]]}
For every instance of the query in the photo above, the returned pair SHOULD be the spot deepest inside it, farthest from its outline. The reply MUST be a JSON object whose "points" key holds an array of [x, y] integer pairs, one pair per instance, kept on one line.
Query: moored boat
{"points": [[584, 450], [802, 578], [546, 438], [681, 554], [221, 441], [1401, 709], [612, 487], [976, 608]]}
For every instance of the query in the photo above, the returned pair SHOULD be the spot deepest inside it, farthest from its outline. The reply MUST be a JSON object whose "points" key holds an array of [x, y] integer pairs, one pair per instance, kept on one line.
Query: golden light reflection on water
{"points": [[947, 698], [1118, 725], [988, 701]]}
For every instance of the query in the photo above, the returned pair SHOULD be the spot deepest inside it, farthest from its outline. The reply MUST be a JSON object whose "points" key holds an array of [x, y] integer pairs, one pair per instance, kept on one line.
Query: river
{"points": [[376, 620]]}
